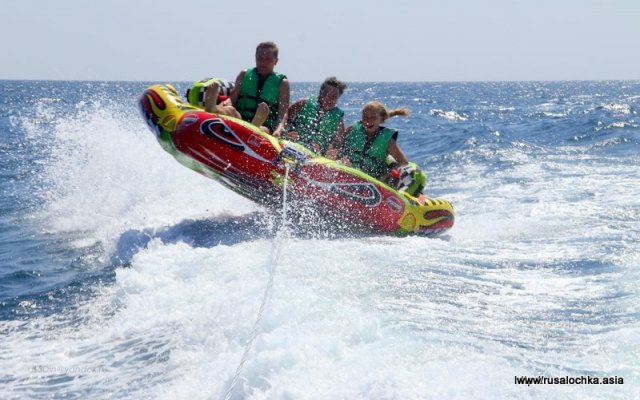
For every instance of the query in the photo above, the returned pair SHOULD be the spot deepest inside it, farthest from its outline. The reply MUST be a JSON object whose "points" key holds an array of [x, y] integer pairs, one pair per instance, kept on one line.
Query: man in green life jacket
{"points": [[317, 122], [260, 90]]}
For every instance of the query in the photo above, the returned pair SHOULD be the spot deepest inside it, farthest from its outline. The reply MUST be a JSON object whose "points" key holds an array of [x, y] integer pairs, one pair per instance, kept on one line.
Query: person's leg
{"points": [[227, 108], [261, 114], [211, 98]]}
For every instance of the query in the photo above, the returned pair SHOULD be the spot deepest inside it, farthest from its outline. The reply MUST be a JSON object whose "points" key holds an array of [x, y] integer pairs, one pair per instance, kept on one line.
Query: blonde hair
{"points": [[384, 113]]}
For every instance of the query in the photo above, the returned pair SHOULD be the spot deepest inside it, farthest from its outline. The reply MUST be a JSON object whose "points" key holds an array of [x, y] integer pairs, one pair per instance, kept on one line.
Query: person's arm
{"points": [[345, 160], [291, 114], [235, 92], [211, 98], [396, 153], [335, 147], [283, 101]]}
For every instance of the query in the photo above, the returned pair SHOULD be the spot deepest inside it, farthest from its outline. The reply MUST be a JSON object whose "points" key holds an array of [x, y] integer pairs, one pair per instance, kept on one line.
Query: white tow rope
{"points": [[272, 263]]}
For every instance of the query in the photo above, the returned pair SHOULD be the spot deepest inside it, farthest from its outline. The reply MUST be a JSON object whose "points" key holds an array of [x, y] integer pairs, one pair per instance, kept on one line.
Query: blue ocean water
{"points": [[125, 275]]}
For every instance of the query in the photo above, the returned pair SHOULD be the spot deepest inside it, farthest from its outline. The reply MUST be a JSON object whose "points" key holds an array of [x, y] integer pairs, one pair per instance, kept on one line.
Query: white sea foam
{"points": [[621, 124], [449, 115], [106, 174], [617, 108], [552, 110], [357, 318]]}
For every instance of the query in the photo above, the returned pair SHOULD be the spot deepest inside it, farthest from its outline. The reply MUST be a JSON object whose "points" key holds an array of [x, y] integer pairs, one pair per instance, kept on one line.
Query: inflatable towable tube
{"points": [[253, 163]]}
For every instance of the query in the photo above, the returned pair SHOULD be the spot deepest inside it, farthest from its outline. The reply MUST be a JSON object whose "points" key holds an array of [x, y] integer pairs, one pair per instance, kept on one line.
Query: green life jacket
{"points": [[195, 94], [369, 155], [251, 95], [315, 126]]}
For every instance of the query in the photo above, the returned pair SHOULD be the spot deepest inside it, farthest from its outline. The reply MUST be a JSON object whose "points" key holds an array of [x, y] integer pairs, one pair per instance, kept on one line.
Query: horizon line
{"points": [[347, 81]]}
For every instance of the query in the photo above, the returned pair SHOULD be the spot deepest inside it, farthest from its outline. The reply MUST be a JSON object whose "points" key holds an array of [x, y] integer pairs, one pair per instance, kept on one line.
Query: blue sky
{"points": [[355, 40]]}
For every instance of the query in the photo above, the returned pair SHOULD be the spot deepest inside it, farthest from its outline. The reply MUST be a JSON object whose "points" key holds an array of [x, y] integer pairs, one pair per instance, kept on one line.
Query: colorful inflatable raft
{"points": [[254, 164]]}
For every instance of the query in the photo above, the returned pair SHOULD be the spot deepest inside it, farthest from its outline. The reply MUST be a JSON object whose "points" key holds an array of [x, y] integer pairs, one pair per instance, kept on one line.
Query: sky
{"points": [[355, 40]]}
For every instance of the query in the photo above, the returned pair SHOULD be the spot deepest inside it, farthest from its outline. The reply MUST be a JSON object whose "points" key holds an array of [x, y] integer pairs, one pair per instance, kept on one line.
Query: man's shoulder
{"points": [[246, 71], [300, 103]]}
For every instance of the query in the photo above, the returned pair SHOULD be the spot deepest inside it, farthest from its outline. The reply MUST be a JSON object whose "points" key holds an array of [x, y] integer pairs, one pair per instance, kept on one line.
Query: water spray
{"points": [[272, 263]]}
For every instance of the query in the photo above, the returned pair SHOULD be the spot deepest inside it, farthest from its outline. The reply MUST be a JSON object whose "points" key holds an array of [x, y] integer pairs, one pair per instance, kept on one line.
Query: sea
{"points": [[124, 275]]}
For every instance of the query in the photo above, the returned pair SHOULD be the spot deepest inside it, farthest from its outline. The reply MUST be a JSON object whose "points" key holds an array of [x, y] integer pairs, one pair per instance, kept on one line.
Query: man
{"points": [[317, 122], [261, 91]]}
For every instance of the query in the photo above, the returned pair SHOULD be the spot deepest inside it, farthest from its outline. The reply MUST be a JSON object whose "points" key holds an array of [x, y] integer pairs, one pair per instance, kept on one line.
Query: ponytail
{"points": [[384, 113], [403, 112]]}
